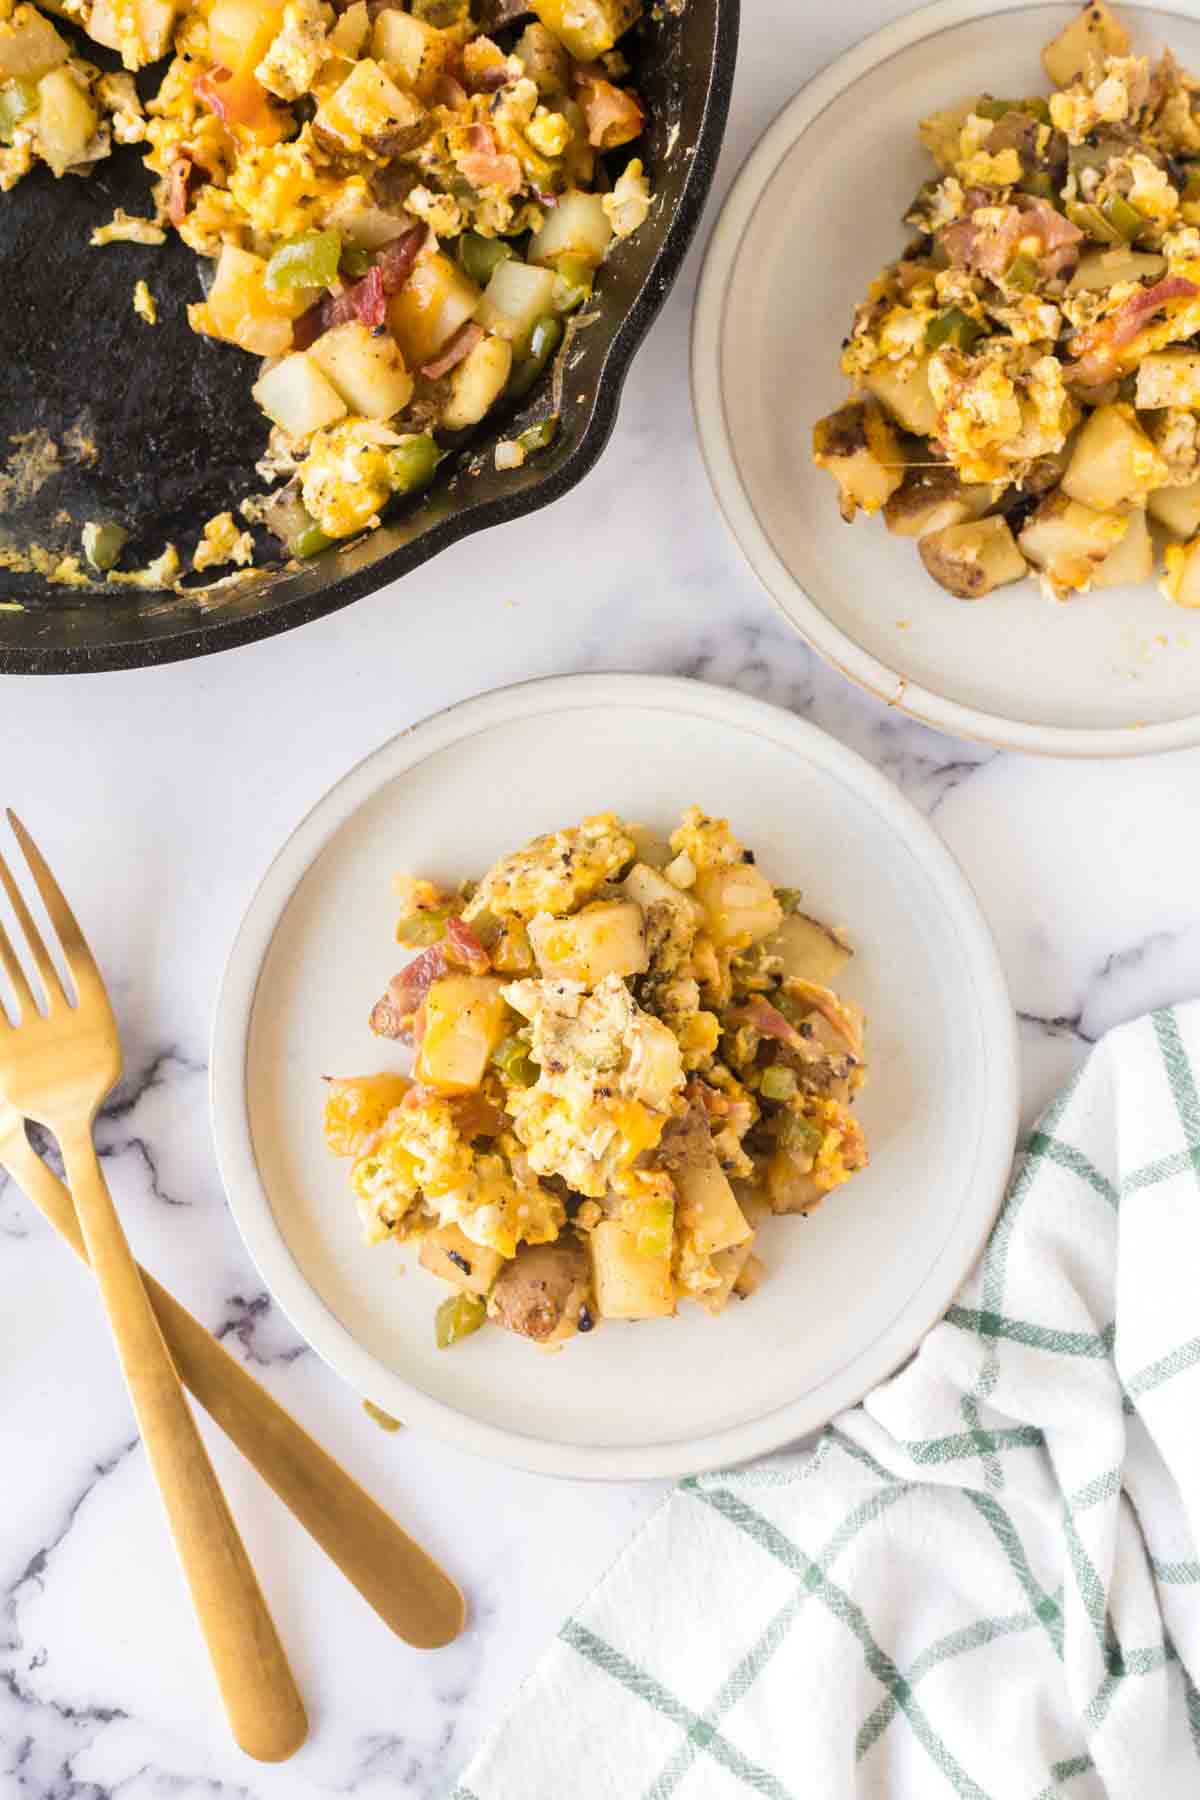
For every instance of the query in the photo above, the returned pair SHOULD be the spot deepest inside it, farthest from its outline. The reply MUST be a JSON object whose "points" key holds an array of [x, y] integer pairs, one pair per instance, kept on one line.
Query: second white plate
{"points": [[810, 221], [849, 1291]]}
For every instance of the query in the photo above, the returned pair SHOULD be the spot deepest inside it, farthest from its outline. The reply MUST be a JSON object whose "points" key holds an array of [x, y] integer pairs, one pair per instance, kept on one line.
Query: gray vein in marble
{"points": [[47, 1734], [243, 1319]]}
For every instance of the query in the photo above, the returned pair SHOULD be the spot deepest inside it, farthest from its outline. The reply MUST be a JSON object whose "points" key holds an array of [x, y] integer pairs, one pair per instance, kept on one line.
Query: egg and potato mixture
{"points": [[626, 1056], [400, 204], [1027, 375]]}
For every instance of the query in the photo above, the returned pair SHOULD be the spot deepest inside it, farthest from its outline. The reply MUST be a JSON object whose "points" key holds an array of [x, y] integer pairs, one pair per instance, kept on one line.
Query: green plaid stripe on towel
{"points": [[984, 1581]]}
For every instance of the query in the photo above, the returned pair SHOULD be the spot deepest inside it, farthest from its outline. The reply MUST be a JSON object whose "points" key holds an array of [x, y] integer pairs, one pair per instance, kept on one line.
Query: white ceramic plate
{"points": [[849, 1292], [811, 219]]}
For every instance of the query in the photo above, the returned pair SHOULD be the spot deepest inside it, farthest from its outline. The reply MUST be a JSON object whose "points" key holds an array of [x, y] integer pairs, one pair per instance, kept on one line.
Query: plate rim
{"points": [[249, 1201], [792, 600]]}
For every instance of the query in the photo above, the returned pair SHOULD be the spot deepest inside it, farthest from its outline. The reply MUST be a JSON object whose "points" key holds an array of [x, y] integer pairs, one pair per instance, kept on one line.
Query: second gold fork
{"points": [[57, 1067]]}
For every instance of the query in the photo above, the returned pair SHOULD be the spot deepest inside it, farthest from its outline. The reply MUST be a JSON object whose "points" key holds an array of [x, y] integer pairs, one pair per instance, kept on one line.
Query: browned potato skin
{"points": [[929, 499], [542, 1291], [970, 578]]}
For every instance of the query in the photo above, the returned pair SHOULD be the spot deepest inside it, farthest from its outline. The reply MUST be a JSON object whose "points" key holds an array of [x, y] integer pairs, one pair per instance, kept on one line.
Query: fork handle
{"points": [[408, 1590], [260, 1695]]}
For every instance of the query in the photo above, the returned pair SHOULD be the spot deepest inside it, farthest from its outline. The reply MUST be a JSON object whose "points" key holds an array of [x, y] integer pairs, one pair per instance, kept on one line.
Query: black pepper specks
{"points": [[586, 1321], [459, 1261]]}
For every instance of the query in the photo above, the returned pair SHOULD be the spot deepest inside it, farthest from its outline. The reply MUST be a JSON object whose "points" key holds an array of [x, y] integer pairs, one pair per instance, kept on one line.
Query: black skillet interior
{"points": [[154, 427]]}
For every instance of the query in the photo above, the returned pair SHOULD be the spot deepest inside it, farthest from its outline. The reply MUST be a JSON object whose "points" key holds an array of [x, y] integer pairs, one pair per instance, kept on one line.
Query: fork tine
{"points": [[50, 982], [10, 963], [80, 960]]}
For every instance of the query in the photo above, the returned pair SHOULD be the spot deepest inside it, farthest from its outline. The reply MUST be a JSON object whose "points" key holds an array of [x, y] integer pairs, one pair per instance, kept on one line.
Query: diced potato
{"points": [[628, 1284], [465, 1019], [1178, 508], [1181, 580], [361, 223], [67, 121], [418, 54], [791, 1188], [1100, 270], [1132, 560], [588, 27], [367, 371], [355, 1109], [750, 1276], [859, 447], [296, 396], [1068, 541], [29, 46], [1114, 463], [729, 1265], [477, 383], [516, 297], [1169, 378], [906, 398], [808, 950], [1080, 48], [739, 904], [142, 33], [434, 303], [352, 30], [651, 889], [970, 560], [240, 32], [708, 1213], [368, 108], [544, 60], [606, 938], [932, 498], [578, 227], [450, 1255], [243, 310]]}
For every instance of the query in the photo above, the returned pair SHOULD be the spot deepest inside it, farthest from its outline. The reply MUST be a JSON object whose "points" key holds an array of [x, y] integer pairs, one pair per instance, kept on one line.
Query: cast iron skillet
{"points": [[176, 433]]}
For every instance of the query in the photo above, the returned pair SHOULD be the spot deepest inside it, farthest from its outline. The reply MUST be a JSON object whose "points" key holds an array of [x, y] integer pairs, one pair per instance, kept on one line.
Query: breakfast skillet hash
{"points": [[625, 1059], [1027, 374], [402, 206]]}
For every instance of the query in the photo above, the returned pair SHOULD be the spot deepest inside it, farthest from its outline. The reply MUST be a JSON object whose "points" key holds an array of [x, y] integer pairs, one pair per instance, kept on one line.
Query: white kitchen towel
{"points": [[984, 1581]]}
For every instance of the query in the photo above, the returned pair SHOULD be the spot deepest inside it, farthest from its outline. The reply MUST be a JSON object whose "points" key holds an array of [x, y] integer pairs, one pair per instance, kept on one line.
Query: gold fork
{"points": [[57, 1068], [408, 1590]]}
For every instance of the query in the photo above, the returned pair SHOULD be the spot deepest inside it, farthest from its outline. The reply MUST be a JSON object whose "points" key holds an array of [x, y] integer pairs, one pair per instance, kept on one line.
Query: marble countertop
{"points": [[160, 795]]}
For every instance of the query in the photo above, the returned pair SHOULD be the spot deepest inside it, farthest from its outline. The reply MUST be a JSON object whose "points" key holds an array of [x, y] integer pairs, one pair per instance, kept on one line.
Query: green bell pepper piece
{"points": [[103, 544], [480, 257], [413, 463], [1091, 221], [539, 436], [778, 1082], [797, 1136], [457, 1318], [425, 927], [987, 108], [544, 340], [573, 283], [1022, 274], [309, 542], [1125, 219], [954, 328], [310, 260], [655, 1228], [513, 1060], [354, 263]]}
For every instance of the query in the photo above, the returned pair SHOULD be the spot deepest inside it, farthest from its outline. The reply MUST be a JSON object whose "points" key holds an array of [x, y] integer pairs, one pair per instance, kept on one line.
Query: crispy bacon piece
{"points": [[1098, 348], [485, 166], [463, 947], [459, 347], [767, 1020], [182, 177], [990, 248], [613, 114], [392, 1016], [366, 299]]}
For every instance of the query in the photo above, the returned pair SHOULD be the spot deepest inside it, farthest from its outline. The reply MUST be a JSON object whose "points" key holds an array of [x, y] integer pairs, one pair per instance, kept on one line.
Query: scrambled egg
{"points": [[222, 542], [608, 1075], [144, 303], [555, 873]]}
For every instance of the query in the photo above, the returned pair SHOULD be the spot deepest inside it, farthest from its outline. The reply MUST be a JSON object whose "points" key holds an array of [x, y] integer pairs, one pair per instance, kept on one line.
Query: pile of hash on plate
{"points": [[403, 206], [626, 1057], [1027, 374]]}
